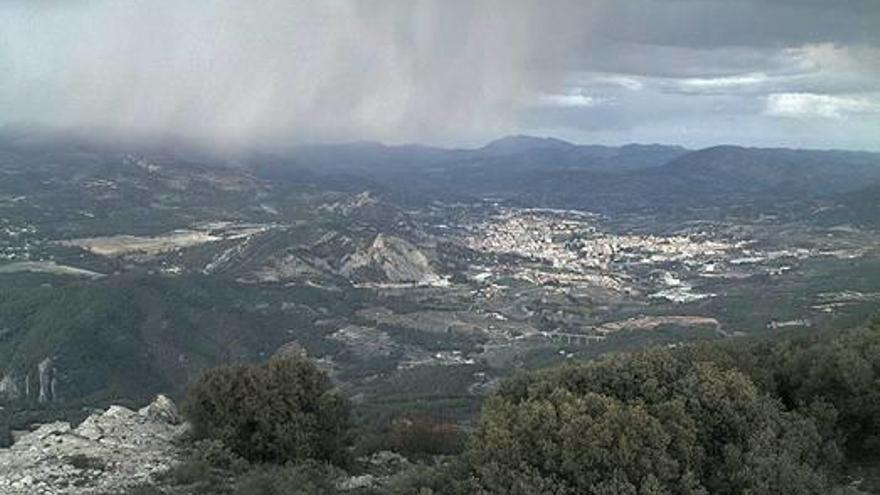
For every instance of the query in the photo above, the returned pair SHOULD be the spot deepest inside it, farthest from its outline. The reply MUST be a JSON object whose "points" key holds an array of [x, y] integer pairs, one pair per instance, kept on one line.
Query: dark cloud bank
{"points": [[275, 72]]}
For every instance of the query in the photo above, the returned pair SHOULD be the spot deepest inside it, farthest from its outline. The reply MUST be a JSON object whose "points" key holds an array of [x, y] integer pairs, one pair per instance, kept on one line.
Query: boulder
{"points": [[162, 409], [107, 453]]}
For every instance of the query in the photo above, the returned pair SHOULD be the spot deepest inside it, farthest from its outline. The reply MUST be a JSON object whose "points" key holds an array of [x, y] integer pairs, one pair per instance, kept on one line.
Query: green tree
{"points": [[308, 478], [284, 410], [644, 423]]}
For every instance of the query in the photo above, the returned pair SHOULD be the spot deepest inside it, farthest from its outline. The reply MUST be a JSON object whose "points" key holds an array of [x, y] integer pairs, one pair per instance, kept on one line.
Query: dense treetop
{"points": [[284, 410], [764, 417]]}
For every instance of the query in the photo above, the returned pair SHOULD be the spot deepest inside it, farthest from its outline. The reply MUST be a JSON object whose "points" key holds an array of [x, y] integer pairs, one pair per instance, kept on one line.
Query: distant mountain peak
{"points": [[520, 143], [650, 147]]}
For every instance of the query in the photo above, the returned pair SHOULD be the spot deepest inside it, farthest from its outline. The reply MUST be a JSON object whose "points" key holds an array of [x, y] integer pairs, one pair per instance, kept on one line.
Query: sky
{"points": [[274, 73]]}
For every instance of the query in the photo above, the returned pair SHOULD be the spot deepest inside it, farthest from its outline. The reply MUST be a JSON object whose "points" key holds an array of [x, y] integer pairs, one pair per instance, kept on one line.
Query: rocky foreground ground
{"points": [[107, 452]]}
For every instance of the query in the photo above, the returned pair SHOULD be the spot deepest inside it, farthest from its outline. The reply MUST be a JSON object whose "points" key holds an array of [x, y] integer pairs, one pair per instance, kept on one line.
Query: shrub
{"points": [[449, 477], [421, 435], [650, 422], [281, 411], [218, 456], [308, 478], [191, 471], [82, 461], [5, 430], [145, 489], [206, 468]]}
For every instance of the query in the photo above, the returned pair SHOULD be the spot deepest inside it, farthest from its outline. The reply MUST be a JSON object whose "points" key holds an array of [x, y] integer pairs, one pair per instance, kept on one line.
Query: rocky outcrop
{"points": [[46, 374], [352, 204], [382, 468], [390, 259], [16, 385], [365, 342], [107, 452], [9, 389], [162, 409], [286, 267], [292, 349]]}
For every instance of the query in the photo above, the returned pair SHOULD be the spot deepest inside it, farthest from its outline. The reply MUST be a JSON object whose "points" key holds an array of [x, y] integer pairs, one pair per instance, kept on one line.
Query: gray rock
{"points": [[162, 409], [9, 389], [357, 483], [46, 374], [107, 452], [291, 349], [399, 261]]}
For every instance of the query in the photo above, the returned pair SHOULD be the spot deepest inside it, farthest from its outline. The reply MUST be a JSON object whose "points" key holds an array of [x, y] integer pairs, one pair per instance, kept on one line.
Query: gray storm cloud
{"points": [[237, 70], [275, 72]]}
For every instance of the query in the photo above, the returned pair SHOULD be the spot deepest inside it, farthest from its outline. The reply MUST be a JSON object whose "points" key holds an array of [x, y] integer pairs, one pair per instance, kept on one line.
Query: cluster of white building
{"points": [[16, 240], [576, 246]]}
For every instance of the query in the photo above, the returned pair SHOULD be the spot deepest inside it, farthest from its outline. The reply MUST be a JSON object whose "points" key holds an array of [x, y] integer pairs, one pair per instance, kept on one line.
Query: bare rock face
{"points": [[286, 267], [383, 467], [393, 260], [16, 385], [48, 380], [293, 349], [9, 389], [107, 452], [161, 409]]}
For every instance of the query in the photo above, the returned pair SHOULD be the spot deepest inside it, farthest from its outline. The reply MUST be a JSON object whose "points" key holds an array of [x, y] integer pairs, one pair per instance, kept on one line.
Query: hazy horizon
{"points": [[110, 138]]}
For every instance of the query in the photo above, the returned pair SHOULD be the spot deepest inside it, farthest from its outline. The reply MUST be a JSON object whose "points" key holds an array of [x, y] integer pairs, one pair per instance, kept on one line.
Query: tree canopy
{"points": [[284, 410], [769, 417]]}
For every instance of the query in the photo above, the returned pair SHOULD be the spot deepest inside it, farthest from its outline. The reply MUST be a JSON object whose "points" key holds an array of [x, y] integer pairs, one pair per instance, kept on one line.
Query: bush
{"points": [[191, 471], [308, 478], [829, 376], [82, 461], [844, 372], [760, 417], [422, 435], [650, 422], [206, 468], [284, 410], [217, 455], [145, 489], [449, 477], [5, 430]]}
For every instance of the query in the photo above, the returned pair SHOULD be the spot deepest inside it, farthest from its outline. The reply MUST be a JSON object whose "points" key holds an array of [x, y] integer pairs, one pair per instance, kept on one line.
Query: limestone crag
{"points": [[48, 380], [15, 384], [9, 389], [394, 260], [107, 452], [162, 409]]}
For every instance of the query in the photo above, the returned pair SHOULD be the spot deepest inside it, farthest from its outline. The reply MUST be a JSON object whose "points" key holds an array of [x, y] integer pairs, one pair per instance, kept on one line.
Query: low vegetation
{"points": [[5, 429], [653, 422], [83, 462], [281, 411], [782, 416], [307, 478], [766, 417]]}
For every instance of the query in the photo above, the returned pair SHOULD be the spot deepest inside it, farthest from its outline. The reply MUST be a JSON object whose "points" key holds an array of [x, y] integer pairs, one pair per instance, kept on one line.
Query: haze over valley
{"points": [[381, 271], [499, 247]]}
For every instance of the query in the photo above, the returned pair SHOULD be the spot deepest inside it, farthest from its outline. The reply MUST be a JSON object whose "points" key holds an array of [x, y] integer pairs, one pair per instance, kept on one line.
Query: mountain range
{"points": [[126, 269]]}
